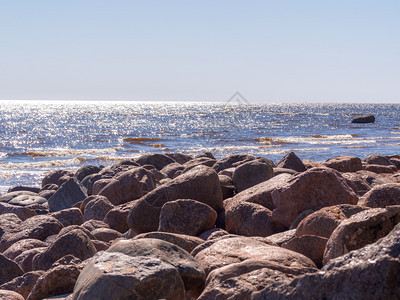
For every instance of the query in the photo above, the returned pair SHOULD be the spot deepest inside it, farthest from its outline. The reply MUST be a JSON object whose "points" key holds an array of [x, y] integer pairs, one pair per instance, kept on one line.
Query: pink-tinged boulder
{"points": [[60, 279], [94, 224], [9, 269], [227, 172], [159, 161], [192, 274], [282, 237], [9, 222], [226, 251], [313, 189], [109, 275], [106, 234], [382, 196], [100, 245], [249, 219], [213, 233], [69, 193], [262, 193], [186, 216], [22, 212], [98, 185], [129, 185], [359, 182], [200, 183], [171, 169], [379, 169], [200, 161], [54, 176], [324, 221], [240, 280], [230, 161], [116, 217], [179, 157], [74, 242], [361, 229], [376, 159], [84, 171], [10, 295], [250, 174], [38, 227], [97, 208], [311, 246], [24, 260], [12, 195], [24, 284], [344, 163], [291, 161], [227, 187], [23, 245], [69, 216], [186, 242]]}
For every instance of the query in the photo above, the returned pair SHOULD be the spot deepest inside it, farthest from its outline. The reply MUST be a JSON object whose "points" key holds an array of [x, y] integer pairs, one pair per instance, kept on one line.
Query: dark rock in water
{"points": [[8, 270], [381, 169], [179, 157], [110, 276], [291, 161], [71, 192], [364, 119]]}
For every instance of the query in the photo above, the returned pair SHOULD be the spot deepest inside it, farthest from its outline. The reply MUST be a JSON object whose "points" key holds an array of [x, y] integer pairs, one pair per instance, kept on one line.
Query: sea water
{"points": [[39, 136]]}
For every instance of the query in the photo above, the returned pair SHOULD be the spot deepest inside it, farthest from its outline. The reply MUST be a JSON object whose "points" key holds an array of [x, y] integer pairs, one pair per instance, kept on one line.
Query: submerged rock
{"points": [[364, 119]]}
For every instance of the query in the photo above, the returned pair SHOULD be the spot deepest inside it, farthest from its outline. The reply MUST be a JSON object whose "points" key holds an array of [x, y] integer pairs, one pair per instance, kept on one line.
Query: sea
{"points": [[40, 136]]}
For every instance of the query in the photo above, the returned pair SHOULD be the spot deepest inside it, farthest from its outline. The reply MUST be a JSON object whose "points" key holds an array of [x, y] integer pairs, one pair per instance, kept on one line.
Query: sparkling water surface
{"points": [[40, 136]]}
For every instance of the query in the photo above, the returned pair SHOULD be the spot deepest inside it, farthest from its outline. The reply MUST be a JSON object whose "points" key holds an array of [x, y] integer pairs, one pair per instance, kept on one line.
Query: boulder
{"points": [[23, 245], [282, 237], [344, 163], [171, 169], [10, 196], [27, 200], [225, 251], [71, 192], [396, 162], [186, 216], [129, 185], [382, 196], [159, 161], [54, 176], [227, 187], [10, 295], [84, 171], [9, 269], [230, 161], [200, 183], [109, 275], [94, 224], [312, 189], [24, 260], [201, 161], [22, 212], [361, 229], [116, 218], [180, 157], [213, 233], [364, 119], [379, 169], [186, 242], [358, 181], [9, 222], [69, 216], [98, 185], [190, 271], [291, 161], [74, 242], [23, 284], [250, 174], [376, 159], [97, 208], [37, 227], [106, 234]]}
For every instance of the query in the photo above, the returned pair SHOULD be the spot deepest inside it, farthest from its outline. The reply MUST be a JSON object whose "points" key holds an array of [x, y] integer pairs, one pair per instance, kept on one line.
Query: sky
{"points": [[269, 51]]}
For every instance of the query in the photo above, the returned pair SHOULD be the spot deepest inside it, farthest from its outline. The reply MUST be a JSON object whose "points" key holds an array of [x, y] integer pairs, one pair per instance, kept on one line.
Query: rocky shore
{"points": [[173, 226]]}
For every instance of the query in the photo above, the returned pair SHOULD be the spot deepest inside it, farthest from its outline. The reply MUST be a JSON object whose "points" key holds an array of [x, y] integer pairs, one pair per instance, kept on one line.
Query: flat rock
{"points": [[27, 200], [110, 275], [71, 192], [376, 159], [10, 196]]}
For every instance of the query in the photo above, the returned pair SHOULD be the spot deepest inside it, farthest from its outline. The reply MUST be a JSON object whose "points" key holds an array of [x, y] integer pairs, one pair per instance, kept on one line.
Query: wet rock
{"points": [[382, 196], [36, 227], [22, 212], [291, 161], [379, 169], [159, 161], [250, 174], [190, 271], [10, 295], [313, 189], [74, 242], [241, 280], [226, 251], [97, 208], [54, 176], [9, 269], [311, 246], [106, 234], [69, 216], [364, 119], [232, 161], [71, 192], [116, 218], [361, 229], [186, 216], [24, 260], [186, 242], [23, 284], [84, 171], [344, 163], [200, 183], [109, 276], [376, 159], [23, 245]]}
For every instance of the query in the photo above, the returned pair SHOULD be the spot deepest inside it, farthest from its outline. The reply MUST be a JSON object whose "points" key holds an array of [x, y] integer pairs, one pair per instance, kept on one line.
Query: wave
{"points": [[140, 140], [43, 164], [69, 152]]}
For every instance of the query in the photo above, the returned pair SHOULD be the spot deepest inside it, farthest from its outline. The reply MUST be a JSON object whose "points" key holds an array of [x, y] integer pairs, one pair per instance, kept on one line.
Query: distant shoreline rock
{"points": [[364, 119]]}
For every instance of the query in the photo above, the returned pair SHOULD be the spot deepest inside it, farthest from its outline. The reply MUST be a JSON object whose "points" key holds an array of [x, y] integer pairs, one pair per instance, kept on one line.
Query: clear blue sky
{"points": [[270, 51]]}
